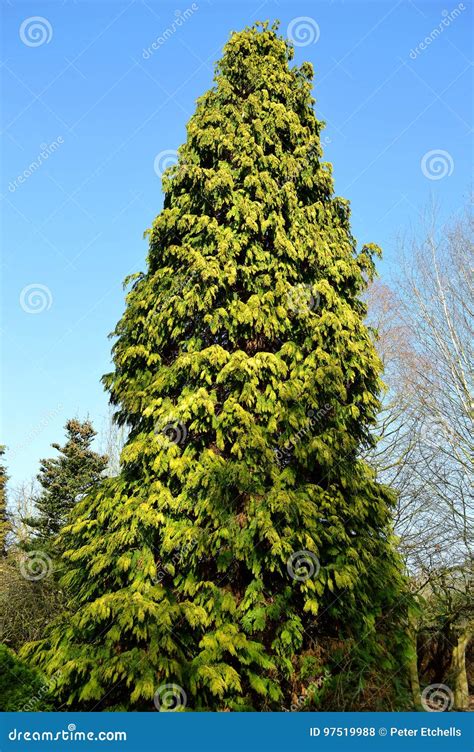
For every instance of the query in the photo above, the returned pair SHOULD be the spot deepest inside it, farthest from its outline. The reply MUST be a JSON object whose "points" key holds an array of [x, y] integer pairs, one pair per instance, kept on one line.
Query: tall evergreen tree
{"points": [[243, 523], [64, 481], [4, 523]]}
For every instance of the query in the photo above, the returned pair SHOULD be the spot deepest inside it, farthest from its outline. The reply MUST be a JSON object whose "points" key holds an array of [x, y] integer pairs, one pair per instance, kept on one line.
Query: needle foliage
{"points": [[243, 524]]}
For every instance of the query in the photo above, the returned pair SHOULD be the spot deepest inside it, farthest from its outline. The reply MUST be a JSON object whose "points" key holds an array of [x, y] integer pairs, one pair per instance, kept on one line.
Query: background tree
{"points": [[30, 596], [425, 446], [207, 560], [64, 480], [4, 520], [22, 508], [112, 440]]}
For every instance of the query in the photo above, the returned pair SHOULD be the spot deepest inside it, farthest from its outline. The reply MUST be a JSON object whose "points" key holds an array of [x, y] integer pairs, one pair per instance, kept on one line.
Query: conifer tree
{"points": [[243, 523], [4, 523], [64, 481]]}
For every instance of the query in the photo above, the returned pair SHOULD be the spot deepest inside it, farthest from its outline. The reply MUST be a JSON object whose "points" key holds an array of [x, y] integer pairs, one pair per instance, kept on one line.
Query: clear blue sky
{"points": [[79, 82]]}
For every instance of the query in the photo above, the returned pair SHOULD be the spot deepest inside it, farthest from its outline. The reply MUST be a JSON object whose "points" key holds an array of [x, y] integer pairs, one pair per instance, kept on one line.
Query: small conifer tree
{"points": [[64, 481]]}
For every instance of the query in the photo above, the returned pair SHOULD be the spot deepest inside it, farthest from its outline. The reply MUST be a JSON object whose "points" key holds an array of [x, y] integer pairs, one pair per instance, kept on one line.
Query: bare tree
{"points": [[21, 507], [112, 439], [425, 447]]}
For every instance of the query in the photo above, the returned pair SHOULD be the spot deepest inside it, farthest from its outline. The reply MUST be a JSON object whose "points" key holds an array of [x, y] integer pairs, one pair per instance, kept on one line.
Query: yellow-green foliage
{"points": [[247, 318]]}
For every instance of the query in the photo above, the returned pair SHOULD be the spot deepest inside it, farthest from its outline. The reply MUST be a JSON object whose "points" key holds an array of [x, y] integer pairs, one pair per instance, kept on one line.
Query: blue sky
{"points": [[78, 88]]}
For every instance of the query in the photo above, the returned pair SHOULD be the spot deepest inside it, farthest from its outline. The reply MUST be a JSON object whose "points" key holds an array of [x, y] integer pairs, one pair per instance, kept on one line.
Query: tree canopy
{"points": [[243, 524]]}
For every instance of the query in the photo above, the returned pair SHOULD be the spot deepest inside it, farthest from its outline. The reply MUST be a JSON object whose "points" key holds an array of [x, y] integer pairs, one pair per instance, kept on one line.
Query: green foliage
{"points": [[21, 687], [247, 321], [368, 672], [65, 480]]}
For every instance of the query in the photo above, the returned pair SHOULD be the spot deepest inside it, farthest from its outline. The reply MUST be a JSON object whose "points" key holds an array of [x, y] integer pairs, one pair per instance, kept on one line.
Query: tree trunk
{"points": [[413, 664], [458, 670]]}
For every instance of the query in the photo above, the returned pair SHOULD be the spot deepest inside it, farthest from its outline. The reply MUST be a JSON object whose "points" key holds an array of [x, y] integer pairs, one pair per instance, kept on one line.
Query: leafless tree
{"points": [[425, 448], [21, 507], [112, 438]]}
